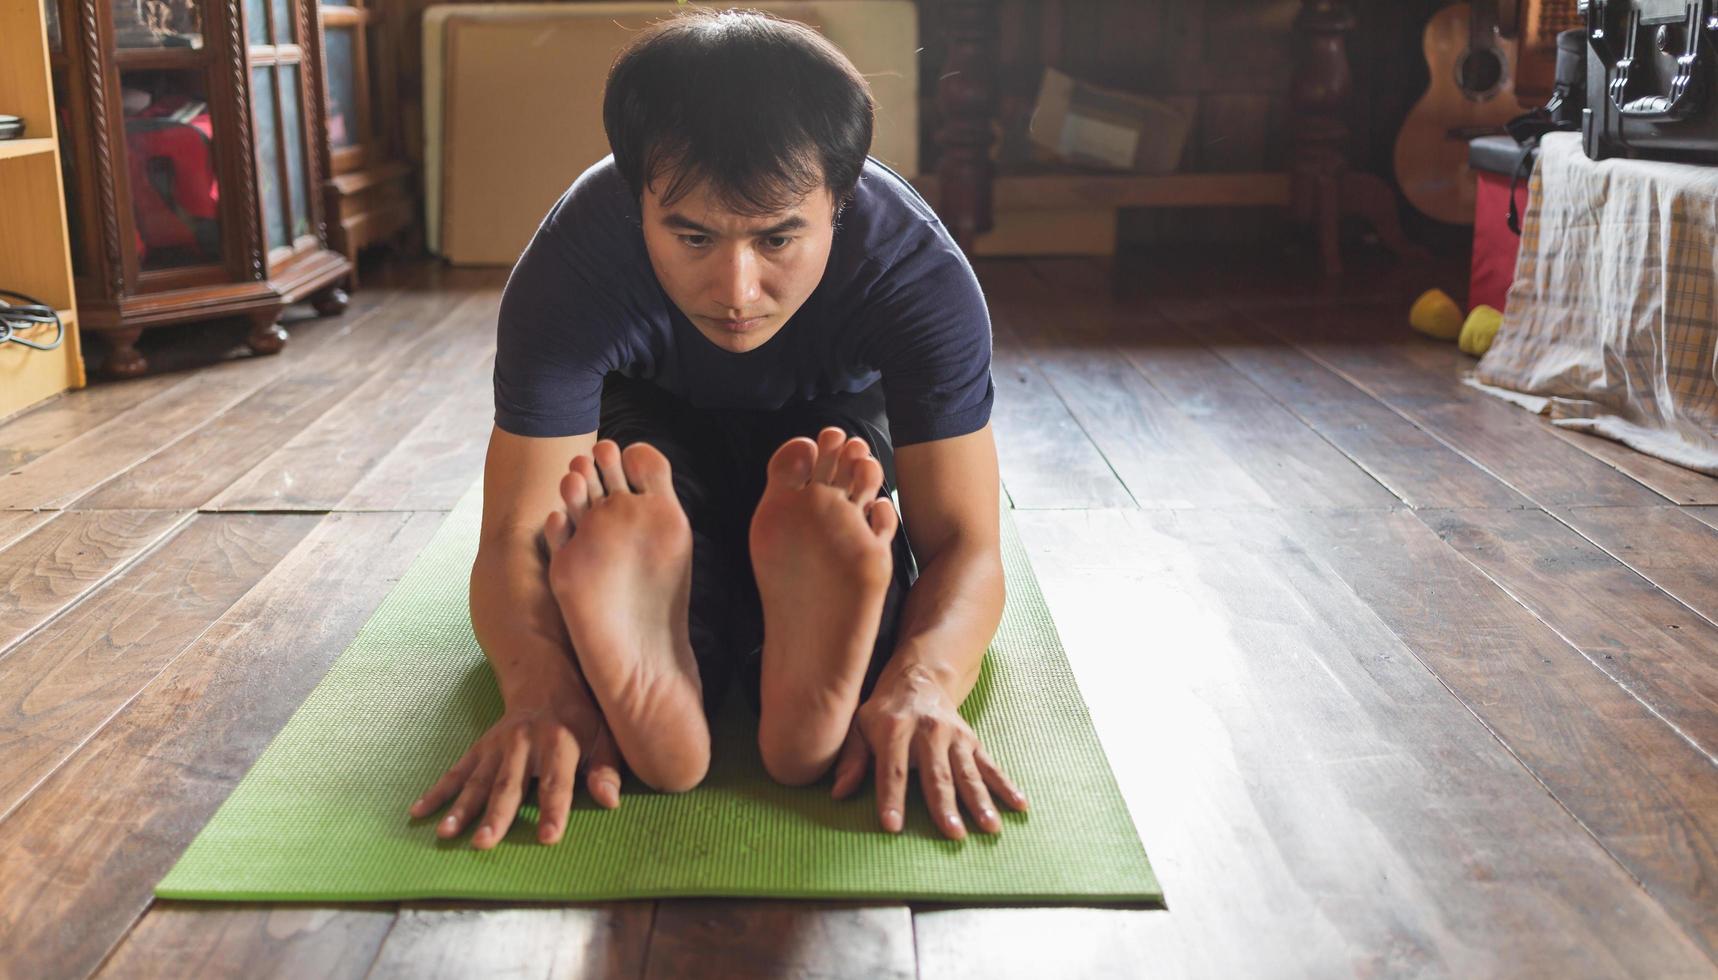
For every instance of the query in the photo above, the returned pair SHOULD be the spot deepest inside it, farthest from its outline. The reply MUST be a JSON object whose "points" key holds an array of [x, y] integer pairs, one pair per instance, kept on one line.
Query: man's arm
{"points": [[550, 725], [949, 492], [516, 619]]}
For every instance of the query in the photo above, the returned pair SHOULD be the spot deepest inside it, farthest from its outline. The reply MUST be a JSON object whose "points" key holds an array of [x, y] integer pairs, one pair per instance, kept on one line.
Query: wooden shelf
{"points": [[12, 149], [1053, 191]]}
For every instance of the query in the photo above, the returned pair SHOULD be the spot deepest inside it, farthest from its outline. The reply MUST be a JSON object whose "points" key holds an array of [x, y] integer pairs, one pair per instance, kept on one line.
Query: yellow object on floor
{"points": [[1479, 330], [1436, 315]]}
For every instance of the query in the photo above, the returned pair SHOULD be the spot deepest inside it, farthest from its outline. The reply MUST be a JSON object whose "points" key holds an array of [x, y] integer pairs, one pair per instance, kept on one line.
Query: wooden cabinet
{"points": [[34, 256], [190, 136], [367, 191]]}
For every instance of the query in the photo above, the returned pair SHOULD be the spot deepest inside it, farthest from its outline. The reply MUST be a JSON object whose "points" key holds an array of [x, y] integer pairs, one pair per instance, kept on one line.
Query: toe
{"points": [[647, 470], [863, 483], [791, 464], [576, 493], [851, 453], [882, 518], [586, 469], [829, 443], [607, 454]]}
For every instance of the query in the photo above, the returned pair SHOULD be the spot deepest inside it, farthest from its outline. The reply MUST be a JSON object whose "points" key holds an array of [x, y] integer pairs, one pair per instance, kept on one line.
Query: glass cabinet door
{"points": [[282, 140], [170, 167], [158, 23]]}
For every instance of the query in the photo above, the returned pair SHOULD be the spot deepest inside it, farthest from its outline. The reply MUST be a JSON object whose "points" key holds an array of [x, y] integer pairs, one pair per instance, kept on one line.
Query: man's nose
{"points": [[737, 284]]}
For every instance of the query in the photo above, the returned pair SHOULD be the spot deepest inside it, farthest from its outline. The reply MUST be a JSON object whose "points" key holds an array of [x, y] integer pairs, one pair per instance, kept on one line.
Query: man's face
{"points": [[738, 279]]}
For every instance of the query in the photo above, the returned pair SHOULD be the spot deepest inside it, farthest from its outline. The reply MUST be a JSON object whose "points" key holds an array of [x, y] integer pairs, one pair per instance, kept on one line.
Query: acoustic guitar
{"points": [[1472, 93]]}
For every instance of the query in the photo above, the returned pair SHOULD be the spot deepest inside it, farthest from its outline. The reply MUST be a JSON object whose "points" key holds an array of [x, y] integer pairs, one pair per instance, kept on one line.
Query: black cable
{"points": [[34, 312]]}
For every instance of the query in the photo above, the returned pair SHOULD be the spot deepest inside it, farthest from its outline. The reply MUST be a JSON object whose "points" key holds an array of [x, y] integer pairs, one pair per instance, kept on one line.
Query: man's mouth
{"points": [[738, 326]]}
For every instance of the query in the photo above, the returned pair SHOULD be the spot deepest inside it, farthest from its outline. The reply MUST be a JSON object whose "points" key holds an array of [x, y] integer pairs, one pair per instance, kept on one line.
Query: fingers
{"points": [[607, 455], [508, 790], [603, 779], [470, 798], [850, 765], [892, 778], [972, 789], [997, 780], [829, 443], [445, 787], [937, 783], [556, 783]]}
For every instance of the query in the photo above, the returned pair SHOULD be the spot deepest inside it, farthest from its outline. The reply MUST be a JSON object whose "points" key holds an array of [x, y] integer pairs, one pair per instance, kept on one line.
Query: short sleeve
{"points": [[932, 340], [551, 348]]}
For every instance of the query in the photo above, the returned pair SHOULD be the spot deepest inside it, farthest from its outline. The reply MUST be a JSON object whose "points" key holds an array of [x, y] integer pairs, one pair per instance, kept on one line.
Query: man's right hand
{"points": [[545, 736]]}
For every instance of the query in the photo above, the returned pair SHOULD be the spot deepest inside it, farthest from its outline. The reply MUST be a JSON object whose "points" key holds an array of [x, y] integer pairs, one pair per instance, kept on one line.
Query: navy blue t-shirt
{"points": [[898, 303]]}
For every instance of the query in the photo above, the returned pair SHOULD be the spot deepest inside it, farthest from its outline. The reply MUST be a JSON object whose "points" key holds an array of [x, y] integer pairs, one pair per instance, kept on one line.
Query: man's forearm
{"points": [[517, 621], [951, 614]]}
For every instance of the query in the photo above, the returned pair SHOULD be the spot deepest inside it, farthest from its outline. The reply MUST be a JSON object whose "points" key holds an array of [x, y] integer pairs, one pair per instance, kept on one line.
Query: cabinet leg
{"points": [[267, 336], [124, 360], [331, 301]]}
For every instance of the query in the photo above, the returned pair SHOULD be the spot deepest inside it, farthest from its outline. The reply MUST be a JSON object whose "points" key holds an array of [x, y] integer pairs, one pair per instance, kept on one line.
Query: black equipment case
{"points": [[1652, 79]]}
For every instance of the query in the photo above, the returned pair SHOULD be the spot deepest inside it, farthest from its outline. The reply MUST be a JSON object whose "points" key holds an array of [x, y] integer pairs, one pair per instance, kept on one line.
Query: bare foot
{"points": [[622, 574], [820, 542]]}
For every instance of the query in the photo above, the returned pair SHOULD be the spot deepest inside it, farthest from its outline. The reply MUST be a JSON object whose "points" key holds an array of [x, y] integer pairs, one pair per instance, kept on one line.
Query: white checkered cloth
{"points": [[1611, 316]]}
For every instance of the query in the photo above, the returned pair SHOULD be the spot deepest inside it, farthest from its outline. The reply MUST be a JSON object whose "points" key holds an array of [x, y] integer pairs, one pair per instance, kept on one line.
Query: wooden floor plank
{"points": [[43, 428], [1163, 459], [738, 940], [62, 684], [88, 846], [56, 478], [1653, 646], [319, 466], [1676, 484], [1048, 462], [433, 466], [195, 939], [15, 524], [192, 471], [431, 942], [1421, 380], [1669, 546], [1705, 515], [1314, 801], [1413, 464], [1639, 787], [48, 570], [1276, 448]]}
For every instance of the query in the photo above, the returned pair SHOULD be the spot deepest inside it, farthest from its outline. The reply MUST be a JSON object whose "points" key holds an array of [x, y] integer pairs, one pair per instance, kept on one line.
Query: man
{"points": [[746, 335]]}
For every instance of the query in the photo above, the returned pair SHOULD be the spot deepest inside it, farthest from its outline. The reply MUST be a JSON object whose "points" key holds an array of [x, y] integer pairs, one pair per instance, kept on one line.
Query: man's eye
{"points": [[696, 241], [778, 242]]}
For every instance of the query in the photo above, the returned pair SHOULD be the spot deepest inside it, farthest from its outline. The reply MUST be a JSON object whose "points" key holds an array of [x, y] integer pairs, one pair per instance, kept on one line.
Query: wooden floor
{"points": [[1397, 679]]}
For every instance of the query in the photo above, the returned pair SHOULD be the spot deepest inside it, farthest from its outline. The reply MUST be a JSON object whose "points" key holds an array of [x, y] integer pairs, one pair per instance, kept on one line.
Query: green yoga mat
{"points": [[322, 815]]}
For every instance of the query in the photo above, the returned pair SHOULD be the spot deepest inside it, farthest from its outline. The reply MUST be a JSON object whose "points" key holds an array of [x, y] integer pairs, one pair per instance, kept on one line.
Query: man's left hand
{"points": [[910, 722]]}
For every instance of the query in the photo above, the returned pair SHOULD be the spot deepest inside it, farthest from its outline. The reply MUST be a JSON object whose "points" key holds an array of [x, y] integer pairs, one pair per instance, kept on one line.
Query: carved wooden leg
{"points": [[267, 336], [331, 301], [966, 94], [1324, 188], [124, 360]]}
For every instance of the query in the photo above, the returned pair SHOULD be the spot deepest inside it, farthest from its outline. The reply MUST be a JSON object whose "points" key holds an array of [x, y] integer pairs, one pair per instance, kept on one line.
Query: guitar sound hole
{"points": [[1479, 73]]}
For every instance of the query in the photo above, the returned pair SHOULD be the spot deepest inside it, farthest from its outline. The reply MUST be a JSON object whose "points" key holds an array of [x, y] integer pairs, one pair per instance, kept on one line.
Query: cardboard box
{"points": [[1079, 123]]}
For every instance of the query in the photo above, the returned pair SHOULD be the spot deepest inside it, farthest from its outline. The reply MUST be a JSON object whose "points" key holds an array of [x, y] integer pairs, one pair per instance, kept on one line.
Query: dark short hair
{"points": [[760, 108]]}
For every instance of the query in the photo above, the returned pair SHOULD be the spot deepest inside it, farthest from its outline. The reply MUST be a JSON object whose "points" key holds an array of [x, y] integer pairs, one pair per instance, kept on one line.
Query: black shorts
{"points": [[719, 459]]}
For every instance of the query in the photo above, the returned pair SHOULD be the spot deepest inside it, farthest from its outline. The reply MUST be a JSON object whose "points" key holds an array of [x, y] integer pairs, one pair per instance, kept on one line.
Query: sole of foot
{"points": [[621, 572], [820, 543]]}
